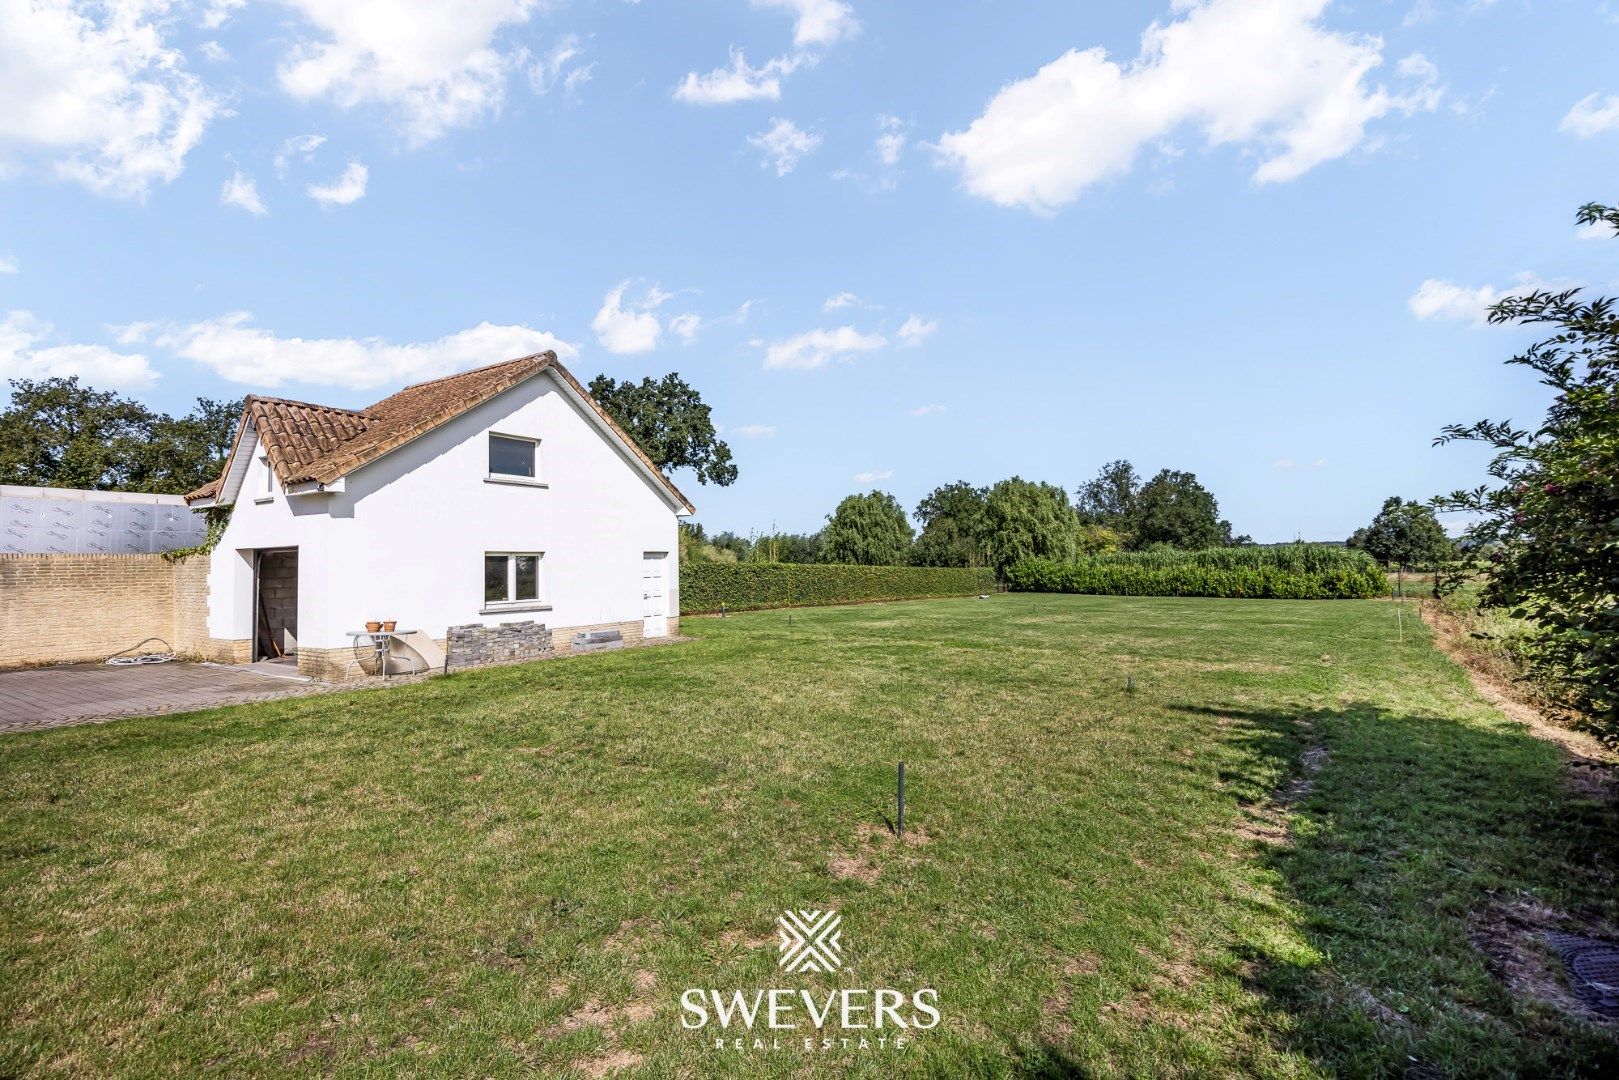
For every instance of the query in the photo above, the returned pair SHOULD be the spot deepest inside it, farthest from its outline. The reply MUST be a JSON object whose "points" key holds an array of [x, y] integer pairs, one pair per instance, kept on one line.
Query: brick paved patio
{"points": [[36, 698]]}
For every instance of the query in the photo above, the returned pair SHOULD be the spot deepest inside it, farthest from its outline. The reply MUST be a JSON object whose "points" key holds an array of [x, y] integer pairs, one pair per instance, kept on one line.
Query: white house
{"points": [[497, 496]]}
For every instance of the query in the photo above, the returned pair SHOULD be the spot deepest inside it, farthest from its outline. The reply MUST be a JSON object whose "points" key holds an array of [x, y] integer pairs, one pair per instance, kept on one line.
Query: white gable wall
{"points": [[406, 538]]}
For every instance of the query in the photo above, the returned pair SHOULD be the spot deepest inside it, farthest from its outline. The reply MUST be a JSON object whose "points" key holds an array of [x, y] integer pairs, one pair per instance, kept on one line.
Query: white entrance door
{"points": [[654, 594]]}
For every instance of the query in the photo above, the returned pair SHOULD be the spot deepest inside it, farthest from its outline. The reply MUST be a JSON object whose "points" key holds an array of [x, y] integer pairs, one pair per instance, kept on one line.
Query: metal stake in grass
{"points": [[899, 819], [1399, 603]]}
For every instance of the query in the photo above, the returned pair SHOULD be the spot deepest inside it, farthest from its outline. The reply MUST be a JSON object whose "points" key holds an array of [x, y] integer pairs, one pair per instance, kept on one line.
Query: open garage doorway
{"points": [[275, 602]]}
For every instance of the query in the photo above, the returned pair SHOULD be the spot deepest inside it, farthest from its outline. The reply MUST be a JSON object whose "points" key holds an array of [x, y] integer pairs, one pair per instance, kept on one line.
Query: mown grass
{"points": [[519, 870]]}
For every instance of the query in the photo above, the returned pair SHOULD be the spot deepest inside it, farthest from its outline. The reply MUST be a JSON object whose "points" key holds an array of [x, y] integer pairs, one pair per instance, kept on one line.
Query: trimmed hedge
{"points": [[1294, 572], [706, 586]]}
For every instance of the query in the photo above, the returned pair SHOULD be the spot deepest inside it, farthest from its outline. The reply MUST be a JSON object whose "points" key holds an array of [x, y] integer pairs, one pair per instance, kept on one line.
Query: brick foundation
{"points": [[332, 665], [630, 631]]}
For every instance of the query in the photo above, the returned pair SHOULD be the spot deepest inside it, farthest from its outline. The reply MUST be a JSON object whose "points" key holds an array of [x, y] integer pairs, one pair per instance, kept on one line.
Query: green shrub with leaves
{"points": [[706, 586], [1293, 572], [1549, 520]]}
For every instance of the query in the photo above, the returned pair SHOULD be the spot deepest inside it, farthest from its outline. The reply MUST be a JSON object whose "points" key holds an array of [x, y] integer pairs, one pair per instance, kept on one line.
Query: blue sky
{"points": [[893, 245]]}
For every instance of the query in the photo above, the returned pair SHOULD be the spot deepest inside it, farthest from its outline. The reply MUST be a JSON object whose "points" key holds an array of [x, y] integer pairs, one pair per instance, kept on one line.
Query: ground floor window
{"points": [[512, 577]]}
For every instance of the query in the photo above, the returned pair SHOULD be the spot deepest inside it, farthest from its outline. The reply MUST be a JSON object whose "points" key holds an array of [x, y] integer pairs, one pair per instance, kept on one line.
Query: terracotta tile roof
{"points": [[207, 491], [318, 443]]}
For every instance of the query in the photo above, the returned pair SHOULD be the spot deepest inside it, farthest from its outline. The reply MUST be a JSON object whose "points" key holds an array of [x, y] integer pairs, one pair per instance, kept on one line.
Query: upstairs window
{"points": [[267, 483], [511, 578], [514, 458]]}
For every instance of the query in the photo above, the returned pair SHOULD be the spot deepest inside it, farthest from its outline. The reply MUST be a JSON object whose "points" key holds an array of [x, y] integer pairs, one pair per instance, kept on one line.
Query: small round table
{"points": [[381, 648]]}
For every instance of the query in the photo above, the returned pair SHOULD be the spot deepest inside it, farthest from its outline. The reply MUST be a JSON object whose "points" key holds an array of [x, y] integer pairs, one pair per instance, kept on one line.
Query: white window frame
{"points": [[267, 493], [539, 602], [491, 477]]}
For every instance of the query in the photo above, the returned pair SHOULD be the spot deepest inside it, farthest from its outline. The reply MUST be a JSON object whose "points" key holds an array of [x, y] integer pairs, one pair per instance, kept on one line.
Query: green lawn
{"points": [[519, 870]]}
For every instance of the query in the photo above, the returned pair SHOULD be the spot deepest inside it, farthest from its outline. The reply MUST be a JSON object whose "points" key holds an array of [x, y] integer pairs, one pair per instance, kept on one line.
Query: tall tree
{"points": [[1025, 519], [868, 529], [954, 527], [1109, 498], [182, 453], [59, 433], [1405, 534], [1552, 515], [668, 419], [1173, 508], [786, 547]]}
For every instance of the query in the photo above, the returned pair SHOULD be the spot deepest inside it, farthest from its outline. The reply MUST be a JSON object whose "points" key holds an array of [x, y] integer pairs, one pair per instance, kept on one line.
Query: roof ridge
{"points": [[468, 371]]}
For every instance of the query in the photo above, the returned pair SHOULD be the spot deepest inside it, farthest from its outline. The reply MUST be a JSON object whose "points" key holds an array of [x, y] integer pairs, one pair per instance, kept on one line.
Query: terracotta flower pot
{"points": [[372, 626], [388, 625]]}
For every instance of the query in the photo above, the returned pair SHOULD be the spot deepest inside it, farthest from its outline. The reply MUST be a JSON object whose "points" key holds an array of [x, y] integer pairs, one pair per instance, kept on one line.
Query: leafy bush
{"points": [[1550, 518], [1293, 572], [743, 586]]}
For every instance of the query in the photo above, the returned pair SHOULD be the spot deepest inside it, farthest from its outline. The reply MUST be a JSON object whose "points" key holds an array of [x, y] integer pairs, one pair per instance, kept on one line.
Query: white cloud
{"points": [[755, 431], [8, 263], [916, 330], [629, 328], [240, 190], [927, 410], [1422, 11], [818, 22], [1289, 463], [98, 92], [686, 326], [784, 144], [559, 67], [573, 80], [891, 140], [1595, 230], [346, 189], [816, 348], [96, 365], [246, 354], [133, 333], [1592, 115], [213, 52], [218, 13], [1262, 75], [434, 66], [841, 300], [299, 146], [739, 82], [1438, 299], [874, 475]]}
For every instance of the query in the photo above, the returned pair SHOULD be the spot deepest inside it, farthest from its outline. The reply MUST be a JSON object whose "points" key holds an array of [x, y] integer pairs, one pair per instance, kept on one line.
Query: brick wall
{"points": [[62, 608], [81, 607]]}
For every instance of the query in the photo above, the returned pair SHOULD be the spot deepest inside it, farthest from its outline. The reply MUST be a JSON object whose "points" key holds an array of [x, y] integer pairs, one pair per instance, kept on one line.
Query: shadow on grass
{"points": [[1047, 1063], [1410, 833]]}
